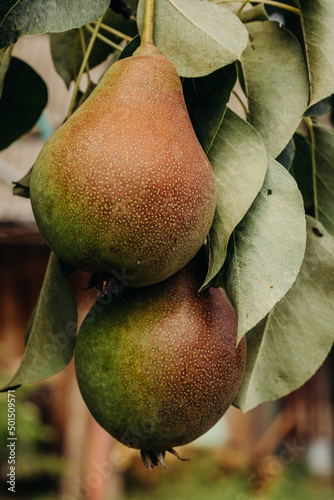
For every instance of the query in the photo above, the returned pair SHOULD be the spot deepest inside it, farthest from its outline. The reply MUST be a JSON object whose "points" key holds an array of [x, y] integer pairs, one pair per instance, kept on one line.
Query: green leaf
{"points": [[320, 108], [21, 17], [236, 153], [206, 99], [256, 13], [5, 59], [324, 154], [22, 187], [210, 35], [239, 162], [276, 81], [267, 249], [287, 347], [301, 168], [67, 52], [23, 99], [285, 158], [130, 47], [318, 28], [51, 331]]}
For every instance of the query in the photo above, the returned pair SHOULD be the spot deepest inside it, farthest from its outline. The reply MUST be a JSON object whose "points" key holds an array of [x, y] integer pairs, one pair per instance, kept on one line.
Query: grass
{"points": [[204, 478]]}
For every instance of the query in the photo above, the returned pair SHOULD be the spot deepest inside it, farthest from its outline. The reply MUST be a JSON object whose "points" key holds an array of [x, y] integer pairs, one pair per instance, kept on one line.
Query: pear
{"points": [[124, 185], [160, 367]]}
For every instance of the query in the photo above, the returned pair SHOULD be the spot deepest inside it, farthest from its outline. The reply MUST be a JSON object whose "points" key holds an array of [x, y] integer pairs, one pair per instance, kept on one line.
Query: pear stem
{"points": [[309, 124], [83, 65], [148, 23]]}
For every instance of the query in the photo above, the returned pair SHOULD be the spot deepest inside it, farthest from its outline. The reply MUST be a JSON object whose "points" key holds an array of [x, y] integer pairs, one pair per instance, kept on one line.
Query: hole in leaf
{"points": [[269, 192], [316, 231]]}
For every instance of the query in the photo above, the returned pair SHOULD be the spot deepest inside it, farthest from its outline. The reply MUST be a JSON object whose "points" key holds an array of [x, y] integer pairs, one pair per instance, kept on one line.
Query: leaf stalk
{"points": [[84, 49], [114, 32], [266, 2], [242, 7], [104, 38]]}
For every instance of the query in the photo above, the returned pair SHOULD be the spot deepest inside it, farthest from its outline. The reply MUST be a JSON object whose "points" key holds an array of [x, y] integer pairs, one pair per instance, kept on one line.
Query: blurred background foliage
{"points": [[36, 461]]}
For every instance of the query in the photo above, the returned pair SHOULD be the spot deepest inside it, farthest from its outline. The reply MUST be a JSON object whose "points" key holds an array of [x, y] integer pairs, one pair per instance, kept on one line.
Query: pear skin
{"points": [[124, 185], [159, 368]]}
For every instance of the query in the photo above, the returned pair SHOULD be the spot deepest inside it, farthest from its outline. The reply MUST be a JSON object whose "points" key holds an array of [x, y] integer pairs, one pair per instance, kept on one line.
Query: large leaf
{"points": [[276, 81], [267, 249], [239, 162], [21, 17], [206, 99], [209, 35], [287, 347], [324, 167], [66, 47], [318, 27], [51, 331], [23, 99]]}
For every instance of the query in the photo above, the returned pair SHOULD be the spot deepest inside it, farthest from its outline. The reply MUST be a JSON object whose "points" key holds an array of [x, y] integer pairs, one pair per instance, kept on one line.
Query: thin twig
{"points": [[267, 2], [103, 38], [83, 65], [83, 45], [242, 7], [115, 32]]}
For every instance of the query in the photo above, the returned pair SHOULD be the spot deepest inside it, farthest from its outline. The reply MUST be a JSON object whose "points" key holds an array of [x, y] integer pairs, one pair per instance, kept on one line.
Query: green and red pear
{"points": [[123, 184], [160, 367]]}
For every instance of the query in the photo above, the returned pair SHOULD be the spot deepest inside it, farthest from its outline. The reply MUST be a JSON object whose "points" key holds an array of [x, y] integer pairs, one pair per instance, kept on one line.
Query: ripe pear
{"points": [[124, 184], [161, 367]]}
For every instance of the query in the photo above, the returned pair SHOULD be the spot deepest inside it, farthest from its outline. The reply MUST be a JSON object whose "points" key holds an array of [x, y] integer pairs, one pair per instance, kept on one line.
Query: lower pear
{"points": [[160, 367]]}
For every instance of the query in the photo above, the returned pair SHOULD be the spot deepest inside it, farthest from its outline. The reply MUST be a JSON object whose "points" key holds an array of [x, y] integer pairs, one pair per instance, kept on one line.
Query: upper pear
{"points": [[124, 185]]}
